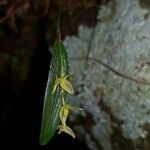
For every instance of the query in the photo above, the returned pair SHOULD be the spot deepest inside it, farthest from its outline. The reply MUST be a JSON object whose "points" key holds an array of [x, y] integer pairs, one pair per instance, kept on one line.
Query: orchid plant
{"points": [[55, 109]]}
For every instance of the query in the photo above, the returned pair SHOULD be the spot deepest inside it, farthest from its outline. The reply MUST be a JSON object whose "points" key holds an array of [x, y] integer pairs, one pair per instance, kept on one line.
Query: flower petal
{"points": [[67, 130], [67, 86], [55, 85], [71, 107]]}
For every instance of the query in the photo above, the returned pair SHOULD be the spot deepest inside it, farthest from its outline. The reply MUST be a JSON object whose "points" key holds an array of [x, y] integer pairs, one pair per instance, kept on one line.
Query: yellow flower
{"points": [[64, 111], [64, 84], [63, 114]]}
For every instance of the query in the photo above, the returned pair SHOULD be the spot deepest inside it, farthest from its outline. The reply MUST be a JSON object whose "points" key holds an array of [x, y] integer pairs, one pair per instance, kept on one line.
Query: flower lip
{"points": [[66, 129]]}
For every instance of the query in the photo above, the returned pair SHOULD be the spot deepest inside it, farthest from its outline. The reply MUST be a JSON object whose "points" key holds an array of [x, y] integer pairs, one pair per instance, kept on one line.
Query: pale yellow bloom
{"points": [[63, 114], [64, 84]]}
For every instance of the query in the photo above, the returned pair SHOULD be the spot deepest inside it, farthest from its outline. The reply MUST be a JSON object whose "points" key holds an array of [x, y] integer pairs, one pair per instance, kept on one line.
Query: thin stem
{"points": [[58, 25]]}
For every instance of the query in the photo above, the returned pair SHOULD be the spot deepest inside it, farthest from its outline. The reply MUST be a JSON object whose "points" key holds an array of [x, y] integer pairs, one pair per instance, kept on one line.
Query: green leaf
{"points": [[52, 101]]}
